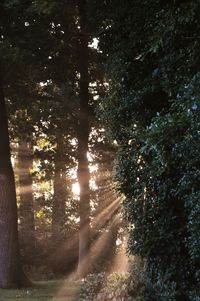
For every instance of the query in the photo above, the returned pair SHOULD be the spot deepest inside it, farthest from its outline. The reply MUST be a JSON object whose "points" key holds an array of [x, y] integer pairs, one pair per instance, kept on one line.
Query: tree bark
{"points": [[11, 273], [83, 137], [26, 209], [60, 195]]}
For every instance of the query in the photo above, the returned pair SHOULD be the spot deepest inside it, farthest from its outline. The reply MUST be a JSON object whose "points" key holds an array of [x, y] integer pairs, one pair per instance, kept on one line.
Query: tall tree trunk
{"points": [[60, 195], [83, 136], [26, 210], [59, 208], [11, 273]]}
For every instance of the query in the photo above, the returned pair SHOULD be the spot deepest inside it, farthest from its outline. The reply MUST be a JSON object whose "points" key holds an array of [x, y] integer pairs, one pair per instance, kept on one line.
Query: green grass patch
{"points": [[43, 291]]}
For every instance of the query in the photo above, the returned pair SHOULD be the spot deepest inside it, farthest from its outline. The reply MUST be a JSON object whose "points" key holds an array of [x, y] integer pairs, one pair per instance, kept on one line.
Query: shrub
{"points": [[90, 286], [127, 286], [116, 288]]}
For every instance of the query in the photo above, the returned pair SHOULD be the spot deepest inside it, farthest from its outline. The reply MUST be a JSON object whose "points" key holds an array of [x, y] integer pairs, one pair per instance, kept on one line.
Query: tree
{"points": [[11, 273], [26, 209], [152, 111], [60, 195], [83, 137]]}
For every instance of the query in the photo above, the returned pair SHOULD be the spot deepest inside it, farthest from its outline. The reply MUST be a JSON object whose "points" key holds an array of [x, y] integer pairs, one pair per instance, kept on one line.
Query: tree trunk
{"points": [[59, 197], [26, 210], [83, 136], [11, 273]]}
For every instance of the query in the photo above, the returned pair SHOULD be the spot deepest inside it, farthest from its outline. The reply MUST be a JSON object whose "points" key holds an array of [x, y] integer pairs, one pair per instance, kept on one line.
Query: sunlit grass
{"points": [[43, 291]]}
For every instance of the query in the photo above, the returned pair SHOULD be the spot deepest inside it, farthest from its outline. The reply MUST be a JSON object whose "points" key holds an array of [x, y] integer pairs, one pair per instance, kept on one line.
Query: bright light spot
{"points": [[89, 156], [138, 57], [74, 142], [94, 43], [118, 242], [93, 185], [76, 188], [42, 84], [194, 107], [13, 161], [93, 168]]}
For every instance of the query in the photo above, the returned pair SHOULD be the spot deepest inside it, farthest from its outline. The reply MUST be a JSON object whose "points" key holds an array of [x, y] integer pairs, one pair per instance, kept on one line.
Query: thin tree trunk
{"points": [[59, 208], [83, 136], [11, 273], [26, 210], [59, 197]]}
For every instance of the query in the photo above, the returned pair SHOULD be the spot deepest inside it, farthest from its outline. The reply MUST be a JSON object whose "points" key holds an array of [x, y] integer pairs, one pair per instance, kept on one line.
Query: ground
{"points": [[43, 291]]}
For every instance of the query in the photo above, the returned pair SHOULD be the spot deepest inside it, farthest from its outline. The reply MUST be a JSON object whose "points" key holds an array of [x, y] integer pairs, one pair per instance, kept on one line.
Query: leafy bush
{"points": [[137, 279], [116, 286], [90, 286]]}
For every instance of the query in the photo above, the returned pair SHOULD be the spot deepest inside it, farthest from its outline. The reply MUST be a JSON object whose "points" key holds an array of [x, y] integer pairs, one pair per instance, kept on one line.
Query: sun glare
{"points": [[76, 188]]}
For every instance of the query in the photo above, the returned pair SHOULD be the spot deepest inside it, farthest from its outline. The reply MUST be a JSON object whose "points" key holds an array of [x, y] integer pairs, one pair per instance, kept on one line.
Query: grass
{"points": [[56, 290]]}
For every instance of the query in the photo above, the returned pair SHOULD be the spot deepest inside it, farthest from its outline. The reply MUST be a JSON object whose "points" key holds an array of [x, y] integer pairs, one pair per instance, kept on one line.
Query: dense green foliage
{"points": [[152, 111]]}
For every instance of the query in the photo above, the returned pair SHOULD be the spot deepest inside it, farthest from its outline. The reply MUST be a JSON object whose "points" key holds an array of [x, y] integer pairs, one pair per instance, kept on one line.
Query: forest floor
{"points": [[57, 290]]}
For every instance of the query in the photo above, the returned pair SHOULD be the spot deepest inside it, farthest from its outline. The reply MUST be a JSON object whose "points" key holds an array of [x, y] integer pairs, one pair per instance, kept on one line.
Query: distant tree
{"points": [[83, 138], [26, 208]]}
